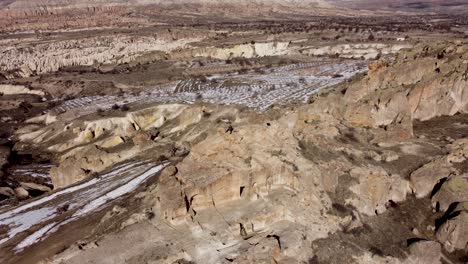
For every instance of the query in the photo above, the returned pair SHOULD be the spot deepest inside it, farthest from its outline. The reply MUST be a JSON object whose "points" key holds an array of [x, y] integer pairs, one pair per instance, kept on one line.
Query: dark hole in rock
{"points": [[438, 186], [20, 158], [341, 208], [124, 108], [187, 203], [242, 230], [313, 260], [150, 215], [392, 204], [277, 239], [376, 251], [35, 193], [241, 190], [413, 240]]}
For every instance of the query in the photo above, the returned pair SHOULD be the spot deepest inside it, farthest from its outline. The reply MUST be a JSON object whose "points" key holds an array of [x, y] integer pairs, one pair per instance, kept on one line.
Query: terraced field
{"points": [[256, 89]]}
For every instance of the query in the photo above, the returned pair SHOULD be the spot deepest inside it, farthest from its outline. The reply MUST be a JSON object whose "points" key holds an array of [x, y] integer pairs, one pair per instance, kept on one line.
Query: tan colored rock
{"points": [[455, 189], [81, 163], [170, 200], [375, 188], [453, 234], [86, 136], [458, 151], [7, 191], [142, 138], [425, 178], [368, 51], [112, 142], [34, 186], [425, 252], [394, 95], [18, 89], [43, 58], [21, 193]]}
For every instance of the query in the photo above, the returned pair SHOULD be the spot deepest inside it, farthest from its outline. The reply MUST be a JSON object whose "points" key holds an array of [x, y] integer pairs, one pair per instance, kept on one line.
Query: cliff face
{"points": [[419, 86], [21, 60], [43, 58]]}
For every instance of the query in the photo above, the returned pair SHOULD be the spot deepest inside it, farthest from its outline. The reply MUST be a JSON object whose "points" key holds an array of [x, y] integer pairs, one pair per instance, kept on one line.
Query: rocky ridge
{"points": [[20, 61]]}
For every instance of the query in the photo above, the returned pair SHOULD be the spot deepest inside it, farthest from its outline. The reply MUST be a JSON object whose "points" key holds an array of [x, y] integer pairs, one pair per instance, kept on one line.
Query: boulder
{"points": [[7, 191], [375, 188], [453, 234], [31, 186], [425, 178], [455, 189], [21, 193], [425, 252], [141, 138], [112, 142]]}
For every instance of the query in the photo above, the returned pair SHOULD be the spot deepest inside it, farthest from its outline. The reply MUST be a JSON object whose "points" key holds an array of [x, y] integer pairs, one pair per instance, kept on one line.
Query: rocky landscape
{"points": [[145, 133]]}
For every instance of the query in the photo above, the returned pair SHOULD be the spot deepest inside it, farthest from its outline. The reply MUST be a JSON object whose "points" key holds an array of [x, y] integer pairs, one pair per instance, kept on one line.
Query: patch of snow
{"points": [[35, 237], [86, 197], [62, 192], [23, 222], [122, 190], [283, 85]]}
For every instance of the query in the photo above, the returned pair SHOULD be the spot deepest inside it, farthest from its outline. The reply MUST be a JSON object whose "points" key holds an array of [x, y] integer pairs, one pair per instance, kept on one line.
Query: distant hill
{"points": [[385, 5], [18, 4], [404, 5]]}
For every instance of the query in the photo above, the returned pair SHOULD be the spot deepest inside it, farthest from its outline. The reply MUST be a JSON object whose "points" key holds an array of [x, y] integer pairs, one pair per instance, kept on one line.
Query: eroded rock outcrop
{"points": [[263, 187], [43, 58], [423, 83], [356, 51], [453, 234]]}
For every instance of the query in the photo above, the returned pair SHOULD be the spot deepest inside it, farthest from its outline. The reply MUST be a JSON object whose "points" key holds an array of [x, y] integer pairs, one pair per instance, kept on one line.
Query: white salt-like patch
{"points": [[65, 191], [36, 175], [20, 219], [282, 85], [122, 190], [35, 237], [88, 196], [23, 222]]}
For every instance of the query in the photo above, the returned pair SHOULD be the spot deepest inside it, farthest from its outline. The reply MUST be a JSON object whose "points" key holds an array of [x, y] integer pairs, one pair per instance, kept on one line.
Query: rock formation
{"points": [[284, 182]]}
